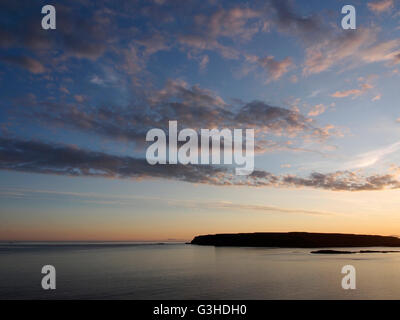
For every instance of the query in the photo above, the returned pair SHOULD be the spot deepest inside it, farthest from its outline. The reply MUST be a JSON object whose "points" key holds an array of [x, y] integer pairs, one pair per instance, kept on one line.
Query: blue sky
{"points": [[77, 103]]}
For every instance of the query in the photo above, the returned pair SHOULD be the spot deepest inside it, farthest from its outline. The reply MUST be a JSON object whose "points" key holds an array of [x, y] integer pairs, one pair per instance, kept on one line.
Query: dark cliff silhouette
{"points": [[296, 240]]}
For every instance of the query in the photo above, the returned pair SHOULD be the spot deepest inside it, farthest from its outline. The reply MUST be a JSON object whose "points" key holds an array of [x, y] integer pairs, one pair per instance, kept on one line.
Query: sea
{"points": [[183, 271]]}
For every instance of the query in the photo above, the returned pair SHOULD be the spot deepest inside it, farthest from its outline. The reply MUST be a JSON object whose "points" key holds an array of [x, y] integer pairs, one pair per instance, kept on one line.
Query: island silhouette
{"points": [[296, 240]]}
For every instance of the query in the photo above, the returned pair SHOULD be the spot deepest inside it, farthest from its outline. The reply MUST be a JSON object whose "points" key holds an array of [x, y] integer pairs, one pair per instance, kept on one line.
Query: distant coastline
{"points": [[296, 240], [352, 252]]}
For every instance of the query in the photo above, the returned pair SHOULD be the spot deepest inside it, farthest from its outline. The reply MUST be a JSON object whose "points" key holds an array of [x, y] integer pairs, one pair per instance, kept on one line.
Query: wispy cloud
{"points": [[317, 110], [28, 63], [275, 68], [371, 158], [377, 97], [354, 93], [381, 5], [130, 200]]}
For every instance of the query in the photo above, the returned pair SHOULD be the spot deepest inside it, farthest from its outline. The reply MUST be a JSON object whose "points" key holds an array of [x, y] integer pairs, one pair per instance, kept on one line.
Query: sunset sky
{"points": [[77, 102]]}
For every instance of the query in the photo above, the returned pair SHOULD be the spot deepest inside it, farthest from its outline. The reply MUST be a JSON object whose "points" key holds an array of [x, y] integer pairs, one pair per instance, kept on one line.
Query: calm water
{"points": [[179, 271]]}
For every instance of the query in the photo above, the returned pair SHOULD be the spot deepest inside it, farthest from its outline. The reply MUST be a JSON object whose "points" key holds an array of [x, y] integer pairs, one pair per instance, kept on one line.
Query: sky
{"points": [[77, 102]]}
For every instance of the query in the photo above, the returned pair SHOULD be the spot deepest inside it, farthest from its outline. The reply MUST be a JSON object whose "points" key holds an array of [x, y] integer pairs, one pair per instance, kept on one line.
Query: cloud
{"points": [[396, 59], [351, 48], [364, 87], [154, 43], [272, 119], [314, 94], [380, 6], [229, 23], [40, 157], [327, 46], [203, 62], [309, 28], [372, 157], [79, 98], [234, 23], [377, 97], [64, 90], [346, 93], [344, 181], [275, 68], [192, 106], [130, 200], [259, 208], [384, 51], [108, 79], [317, 110], [191, 29], [322, 55], [27, 63], [198, 43], [97, 80]]}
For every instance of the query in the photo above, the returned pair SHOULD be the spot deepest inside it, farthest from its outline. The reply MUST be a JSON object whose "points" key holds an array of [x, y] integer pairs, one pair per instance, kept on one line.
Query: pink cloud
{"points": [[380, 6], [317, 110], [353, 92]]}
